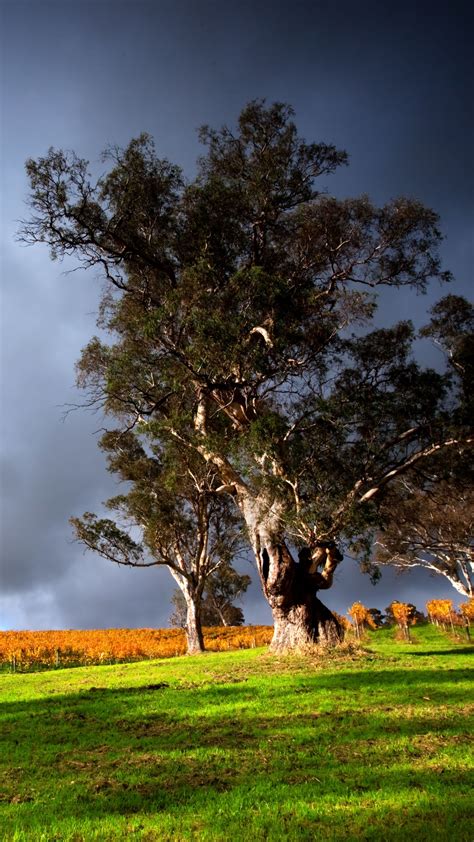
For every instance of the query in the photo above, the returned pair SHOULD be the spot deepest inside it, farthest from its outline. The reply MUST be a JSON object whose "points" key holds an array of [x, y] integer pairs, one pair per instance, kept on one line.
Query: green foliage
{"points": [[104, 537], [171, 498]]}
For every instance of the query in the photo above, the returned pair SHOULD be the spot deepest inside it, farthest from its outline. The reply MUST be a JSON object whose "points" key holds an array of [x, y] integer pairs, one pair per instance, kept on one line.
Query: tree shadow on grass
{"points": [[460, 650], [176, 750], [405, 686], [301, 787]]}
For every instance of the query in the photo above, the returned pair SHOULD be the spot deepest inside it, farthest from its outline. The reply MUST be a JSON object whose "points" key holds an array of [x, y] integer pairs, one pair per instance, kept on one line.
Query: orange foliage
{"points": [[42, 649], [404, 614], [343, 621], [440, 611], [361, 616], [467, 611]]}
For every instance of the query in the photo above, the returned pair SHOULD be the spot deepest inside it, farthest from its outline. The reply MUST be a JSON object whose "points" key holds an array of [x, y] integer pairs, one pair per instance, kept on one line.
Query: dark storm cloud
{"points": [[391, 83], [48, 462]]}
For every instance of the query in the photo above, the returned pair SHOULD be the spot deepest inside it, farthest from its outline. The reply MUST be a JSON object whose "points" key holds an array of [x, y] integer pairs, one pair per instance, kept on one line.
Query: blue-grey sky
{"points": [[390, 82]]}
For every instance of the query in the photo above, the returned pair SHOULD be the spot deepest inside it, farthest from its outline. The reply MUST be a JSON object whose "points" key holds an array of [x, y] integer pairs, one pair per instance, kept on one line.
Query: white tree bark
{"points": [[192, 597]]}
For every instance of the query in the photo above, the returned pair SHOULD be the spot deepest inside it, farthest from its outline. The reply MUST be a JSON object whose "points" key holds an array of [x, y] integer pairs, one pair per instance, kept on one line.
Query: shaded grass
{"points": [[243, 745]]}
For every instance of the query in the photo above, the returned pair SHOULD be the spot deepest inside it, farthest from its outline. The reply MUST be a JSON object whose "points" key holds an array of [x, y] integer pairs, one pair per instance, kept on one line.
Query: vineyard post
{"points": [[13, 663], [451, 620], [57, 657]]}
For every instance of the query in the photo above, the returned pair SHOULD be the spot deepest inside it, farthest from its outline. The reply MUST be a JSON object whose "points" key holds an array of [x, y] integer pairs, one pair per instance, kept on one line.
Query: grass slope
{"points": [[244, 746]]}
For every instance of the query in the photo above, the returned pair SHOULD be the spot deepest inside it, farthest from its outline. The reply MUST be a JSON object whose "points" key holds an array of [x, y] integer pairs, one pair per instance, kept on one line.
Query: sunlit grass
{"points": [[242, 745]]}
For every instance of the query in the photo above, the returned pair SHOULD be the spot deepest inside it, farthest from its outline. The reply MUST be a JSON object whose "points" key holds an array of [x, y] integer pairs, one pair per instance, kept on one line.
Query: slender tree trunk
{"points": [[194, 635], [218, 611], [193, 598]]}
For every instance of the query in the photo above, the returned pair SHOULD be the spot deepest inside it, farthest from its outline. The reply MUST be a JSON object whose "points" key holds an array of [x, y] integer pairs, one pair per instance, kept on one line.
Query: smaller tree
{"points": [[467, 611], [222, 588], [390, 619], [183, 521], [428, 515], [432, 528], [377, 617]]}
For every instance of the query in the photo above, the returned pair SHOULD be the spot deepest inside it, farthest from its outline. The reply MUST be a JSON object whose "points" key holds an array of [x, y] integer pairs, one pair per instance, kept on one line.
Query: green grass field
{"points": [[245, 746]]}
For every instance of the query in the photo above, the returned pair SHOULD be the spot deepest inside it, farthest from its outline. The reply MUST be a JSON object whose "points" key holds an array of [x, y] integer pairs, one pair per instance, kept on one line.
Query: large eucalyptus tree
{"points": [[230, 302]]}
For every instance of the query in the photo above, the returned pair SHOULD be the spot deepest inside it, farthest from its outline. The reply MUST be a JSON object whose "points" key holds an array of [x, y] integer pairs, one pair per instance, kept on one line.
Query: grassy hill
{"points": [[244, 746]]}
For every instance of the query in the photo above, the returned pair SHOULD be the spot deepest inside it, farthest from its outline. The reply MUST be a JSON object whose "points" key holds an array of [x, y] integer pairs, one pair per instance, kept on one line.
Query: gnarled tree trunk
{"points": [[300, 618], [303, 625], [290, 587]]}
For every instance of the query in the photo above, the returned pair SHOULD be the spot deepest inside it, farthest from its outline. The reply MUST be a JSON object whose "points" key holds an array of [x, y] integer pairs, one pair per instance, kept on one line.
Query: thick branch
{"points": [[408, 463]]}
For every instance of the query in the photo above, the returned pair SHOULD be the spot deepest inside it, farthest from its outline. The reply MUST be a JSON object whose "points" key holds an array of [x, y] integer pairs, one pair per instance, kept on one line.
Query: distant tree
{"points": [[432, 529], [377, 617], [171, 502], [429, 517], [222, 588], [230, 302], [209, 617]]}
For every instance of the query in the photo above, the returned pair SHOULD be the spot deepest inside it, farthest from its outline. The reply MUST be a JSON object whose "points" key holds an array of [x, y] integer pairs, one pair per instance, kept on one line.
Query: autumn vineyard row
{"points": [[43, 649], [31, 650]]}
